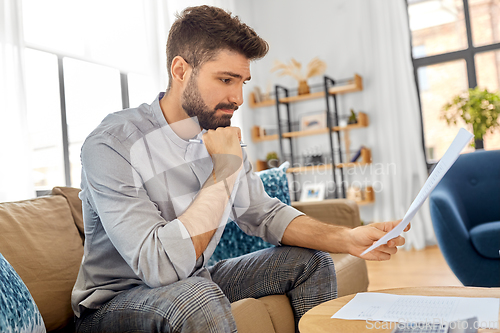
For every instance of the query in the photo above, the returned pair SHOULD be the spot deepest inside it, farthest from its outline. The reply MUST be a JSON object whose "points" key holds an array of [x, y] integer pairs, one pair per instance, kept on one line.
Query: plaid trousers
{"points": [[197, 304]]}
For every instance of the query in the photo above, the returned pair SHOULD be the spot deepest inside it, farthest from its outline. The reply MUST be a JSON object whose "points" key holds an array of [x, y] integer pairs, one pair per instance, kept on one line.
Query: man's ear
{"points": [[180, 70]]}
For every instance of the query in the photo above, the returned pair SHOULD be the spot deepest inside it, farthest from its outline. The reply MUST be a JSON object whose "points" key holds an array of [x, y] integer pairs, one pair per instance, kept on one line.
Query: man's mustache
{"points": [[227, 106]]}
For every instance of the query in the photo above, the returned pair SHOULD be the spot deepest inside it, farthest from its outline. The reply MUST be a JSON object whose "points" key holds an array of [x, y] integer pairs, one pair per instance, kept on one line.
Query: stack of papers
{"points": [[423, 309]]}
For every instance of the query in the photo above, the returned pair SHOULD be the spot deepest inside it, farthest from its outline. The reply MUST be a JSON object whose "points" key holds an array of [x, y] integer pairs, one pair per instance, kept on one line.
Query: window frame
{"points": [[62, 100], [467, 54]]}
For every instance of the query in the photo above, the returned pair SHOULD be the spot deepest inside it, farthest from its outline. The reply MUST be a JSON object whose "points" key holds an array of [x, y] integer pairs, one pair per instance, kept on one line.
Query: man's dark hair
{"points": [[199, 33]]}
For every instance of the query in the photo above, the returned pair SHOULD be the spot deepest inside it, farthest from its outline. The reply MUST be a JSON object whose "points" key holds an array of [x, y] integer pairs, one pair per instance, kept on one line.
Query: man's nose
{"points": [[236, 96]]}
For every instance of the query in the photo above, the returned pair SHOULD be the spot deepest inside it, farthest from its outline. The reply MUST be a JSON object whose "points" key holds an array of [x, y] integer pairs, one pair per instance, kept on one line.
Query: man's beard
{"points": [[194, 106]]}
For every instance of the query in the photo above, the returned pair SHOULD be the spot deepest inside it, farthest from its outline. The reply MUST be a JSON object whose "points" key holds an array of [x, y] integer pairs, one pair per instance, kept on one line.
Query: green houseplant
{"points": [[478, 108], [272, 160]]}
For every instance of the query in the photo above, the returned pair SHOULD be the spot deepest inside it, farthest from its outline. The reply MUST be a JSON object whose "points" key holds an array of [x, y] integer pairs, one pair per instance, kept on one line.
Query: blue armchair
{"points": [[465, 212]]}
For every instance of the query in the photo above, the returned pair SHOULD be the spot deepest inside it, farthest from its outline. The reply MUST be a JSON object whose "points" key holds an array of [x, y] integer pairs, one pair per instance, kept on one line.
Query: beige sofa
{"points": [[42, 238]]}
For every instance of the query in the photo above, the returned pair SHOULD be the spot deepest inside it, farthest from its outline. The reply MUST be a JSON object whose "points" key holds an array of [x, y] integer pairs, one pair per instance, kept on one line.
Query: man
{"points": [[155, 205]]}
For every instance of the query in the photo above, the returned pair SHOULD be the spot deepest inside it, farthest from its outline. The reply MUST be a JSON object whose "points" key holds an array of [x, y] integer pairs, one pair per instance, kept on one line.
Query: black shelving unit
{"points": [[277, 90], [332, 118]]}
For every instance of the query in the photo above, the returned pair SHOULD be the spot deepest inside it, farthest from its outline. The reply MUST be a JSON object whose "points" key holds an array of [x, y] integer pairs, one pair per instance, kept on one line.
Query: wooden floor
{"points": [[411, 269]]}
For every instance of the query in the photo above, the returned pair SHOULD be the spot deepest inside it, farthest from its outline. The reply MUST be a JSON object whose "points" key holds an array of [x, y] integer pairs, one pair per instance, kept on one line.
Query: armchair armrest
{"points": [[335, 211], [352, 275]]}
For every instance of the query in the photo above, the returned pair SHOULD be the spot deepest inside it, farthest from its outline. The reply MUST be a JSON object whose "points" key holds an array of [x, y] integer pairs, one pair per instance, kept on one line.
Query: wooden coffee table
{"points": [[318, 319]]}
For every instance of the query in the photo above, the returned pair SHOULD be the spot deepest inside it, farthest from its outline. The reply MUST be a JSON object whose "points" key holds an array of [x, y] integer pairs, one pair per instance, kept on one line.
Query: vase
{"points": [[274, 163], [303, 88], [478, 143]]}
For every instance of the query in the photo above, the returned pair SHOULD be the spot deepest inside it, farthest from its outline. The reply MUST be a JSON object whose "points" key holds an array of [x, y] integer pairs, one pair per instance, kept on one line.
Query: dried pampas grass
{"points": [[315, 67], [294, 69]]}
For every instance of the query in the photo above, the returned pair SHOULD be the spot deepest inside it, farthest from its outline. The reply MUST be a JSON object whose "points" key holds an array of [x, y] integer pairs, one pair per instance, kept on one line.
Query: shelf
{"points": [[300, 98], [353, 85], [253, 105], [324, 167], [309, 168], [305, 133], [365, 202], [292, 99], [362, 122], [256, 137], [350, 164], [265, 138], [329, 201]]}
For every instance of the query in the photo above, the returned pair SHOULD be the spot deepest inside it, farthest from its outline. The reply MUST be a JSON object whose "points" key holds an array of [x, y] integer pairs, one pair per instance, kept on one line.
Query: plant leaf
{"points": [[477, 107]]}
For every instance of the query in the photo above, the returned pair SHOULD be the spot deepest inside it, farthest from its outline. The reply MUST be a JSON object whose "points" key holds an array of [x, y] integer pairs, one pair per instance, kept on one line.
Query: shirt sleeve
{"points": [[257, 214], [159, 252]]}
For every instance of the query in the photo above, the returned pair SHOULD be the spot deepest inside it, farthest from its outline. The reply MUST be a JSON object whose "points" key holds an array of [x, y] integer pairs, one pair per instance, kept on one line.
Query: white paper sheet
{"points": [[427, 309], [461, 140]]}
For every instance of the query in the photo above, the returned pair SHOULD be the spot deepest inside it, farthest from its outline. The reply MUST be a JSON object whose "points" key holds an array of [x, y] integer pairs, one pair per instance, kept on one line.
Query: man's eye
{"points": [[226, 80]]}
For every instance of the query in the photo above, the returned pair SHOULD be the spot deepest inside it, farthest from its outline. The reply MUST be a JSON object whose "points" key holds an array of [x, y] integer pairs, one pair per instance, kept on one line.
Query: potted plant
{"points": [[477, 107], [294, 69], [272, 160]]}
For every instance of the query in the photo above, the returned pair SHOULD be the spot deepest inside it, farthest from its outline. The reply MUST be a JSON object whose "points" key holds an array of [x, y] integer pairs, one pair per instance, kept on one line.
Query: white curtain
{"points": [[158, 19], [397, 135], [15, 153]]}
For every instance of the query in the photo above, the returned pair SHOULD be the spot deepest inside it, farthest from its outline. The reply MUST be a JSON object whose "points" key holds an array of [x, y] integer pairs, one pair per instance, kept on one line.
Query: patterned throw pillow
{"points": [[276, 183], [235, 242], [18, 311]]}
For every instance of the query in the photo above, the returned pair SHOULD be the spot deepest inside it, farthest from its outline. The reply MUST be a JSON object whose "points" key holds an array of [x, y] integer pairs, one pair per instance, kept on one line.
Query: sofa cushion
{"points": [[336, 211], [39, 239], [251, 316], [351, 272], [280, 311], [18, 311], [75, 205], [486, 239]]}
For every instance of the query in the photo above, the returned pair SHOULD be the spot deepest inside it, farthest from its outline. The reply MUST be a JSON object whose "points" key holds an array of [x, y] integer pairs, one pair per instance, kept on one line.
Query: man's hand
{"points": [[365, 236], [223, 141]]}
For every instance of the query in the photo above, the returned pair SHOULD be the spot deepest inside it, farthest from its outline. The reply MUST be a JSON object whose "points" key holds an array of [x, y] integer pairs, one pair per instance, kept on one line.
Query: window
{"points": [[488, 76], [437, 25], [44, 118], [443, 81], [84, 59], [455, 47], [92, 91]]}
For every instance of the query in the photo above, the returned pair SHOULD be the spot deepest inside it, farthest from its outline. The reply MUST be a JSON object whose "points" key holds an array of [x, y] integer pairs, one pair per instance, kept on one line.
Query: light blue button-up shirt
{"points": [[138, 177]]}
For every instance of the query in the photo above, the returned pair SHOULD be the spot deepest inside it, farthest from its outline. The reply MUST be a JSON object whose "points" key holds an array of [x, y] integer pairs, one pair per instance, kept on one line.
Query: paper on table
{"points": [[461, 140], [423, 309]]}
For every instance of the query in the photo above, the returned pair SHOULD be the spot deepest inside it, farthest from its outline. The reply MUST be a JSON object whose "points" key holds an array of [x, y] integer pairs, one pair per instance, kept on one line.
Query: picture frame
{"points": [[313, 121], [313, 192]]}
